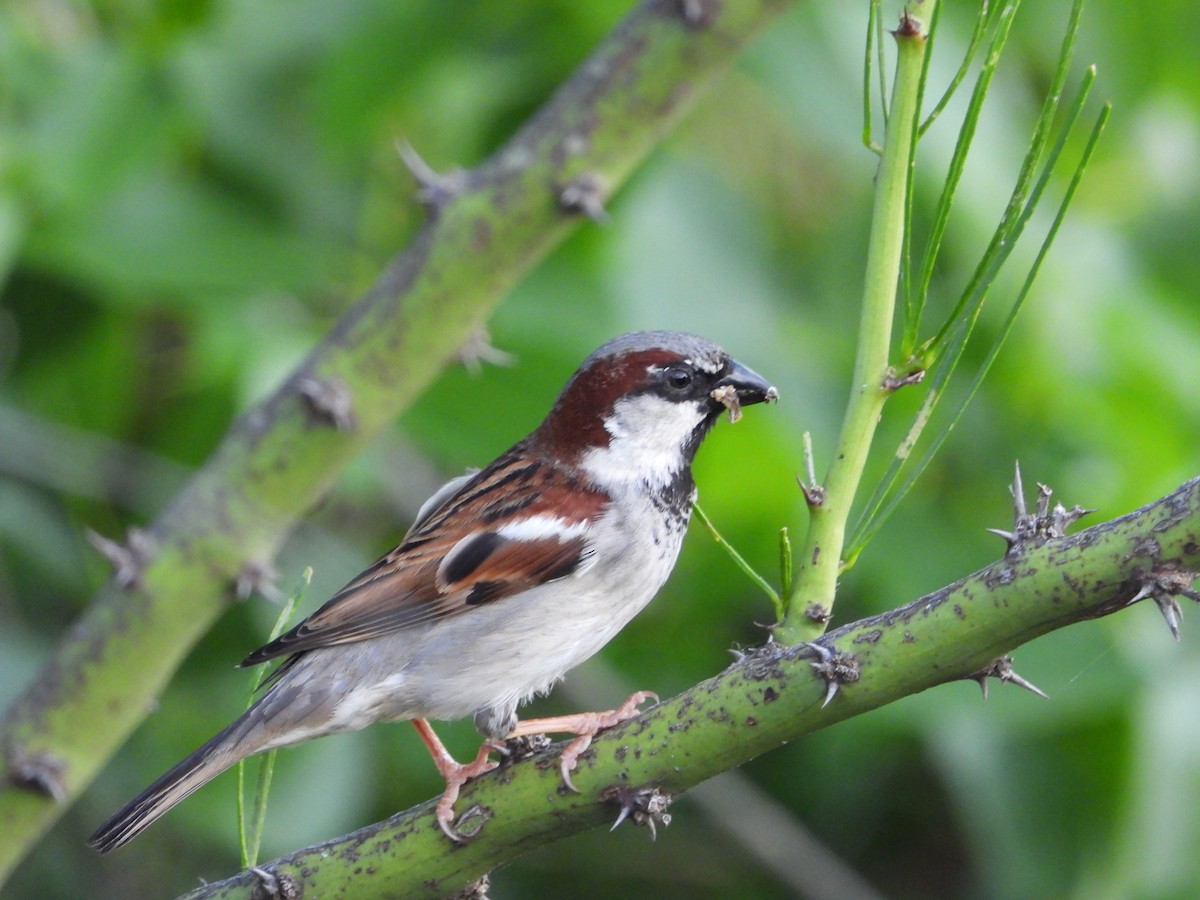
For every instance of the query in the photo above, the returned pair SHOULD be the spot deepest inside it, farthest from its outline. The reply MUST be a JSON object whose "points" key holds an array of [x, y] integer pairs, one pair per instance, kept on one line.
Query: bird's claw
{"points": [[456, 776], [595, 723]]}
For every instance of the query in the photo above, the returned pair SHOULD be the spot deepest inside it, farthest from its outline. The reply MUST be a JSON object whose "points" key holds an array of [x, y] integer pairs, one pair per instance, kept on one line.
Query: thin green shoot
{"points": [[250, 831], [912, 305], [868, 137], [741, 563], [966, 136], [871, 524], [1018, 210], [785, 562], [880, 67], [981, 26], [948, 347]]}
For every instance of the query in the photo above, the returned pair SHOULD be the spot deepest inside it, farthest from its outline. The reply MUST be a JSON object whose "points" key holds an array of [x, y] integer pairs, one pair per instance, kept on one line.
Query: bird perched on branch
{"points": [[509, 578]]}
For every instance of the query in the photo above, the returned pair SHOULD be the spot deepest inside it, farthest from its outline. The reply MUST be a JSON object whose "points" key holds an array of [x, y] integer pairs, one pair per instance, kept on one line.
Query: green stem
{"points": [[740, 561], [813, 595]]}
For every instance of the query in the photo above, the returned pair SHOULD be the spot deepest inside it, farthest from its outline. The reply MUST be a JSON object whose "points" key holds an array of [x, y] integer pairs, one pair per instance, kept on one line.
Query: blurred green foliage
{"points": [[190, 193]]}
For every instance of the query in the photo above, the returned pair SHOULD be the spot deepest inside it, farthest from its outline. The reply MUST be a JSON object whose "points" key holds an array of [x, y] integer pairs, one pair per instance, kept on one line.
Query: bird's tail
{"points": [[234, 743]]}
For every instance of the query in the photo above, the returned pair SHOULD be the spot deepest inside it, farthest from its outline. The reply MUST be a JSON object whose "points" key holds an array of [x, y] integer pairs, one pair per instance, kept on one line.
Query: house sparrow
{"points": [[509, 578]]}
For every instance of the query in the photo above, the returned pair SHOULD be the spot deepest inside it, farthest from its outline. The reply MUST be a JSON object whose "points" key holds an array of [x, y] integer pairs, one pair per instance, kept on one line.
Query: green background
{"points": [[191, 193]]}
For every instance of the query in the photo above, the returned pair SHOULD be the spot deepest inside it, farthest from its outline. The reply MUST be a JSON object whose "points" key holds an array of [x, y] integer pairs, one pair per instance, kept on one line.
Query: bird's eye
{"points": [[679, 378]]}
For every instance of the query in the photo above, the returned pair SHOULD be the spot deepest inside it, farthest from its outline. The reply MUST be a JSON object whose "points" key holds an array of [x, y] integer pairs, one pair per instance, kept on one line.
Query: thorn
{"points": [[824, 654], [1062, 518], [1143, 592], [1009, 537], [41, 772], [258, 578], [835, 667], [1002, 669], [478, 349], [644, 806], [621, 817], [329, 400], [128, 560], [1018, 492], [1021, 682], [910, 27], [817, 612], [1165, 585], [275, 885], [434, 192], [585, 193], [1043, 501], [1043, 525], [893, 382], [831, 690], [267, 882], [814, 494]]}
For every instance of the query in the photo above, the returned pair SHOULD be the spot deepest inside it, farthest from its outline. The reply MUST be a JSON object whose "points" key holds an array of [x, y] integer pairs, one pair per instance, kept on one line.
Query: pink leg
{"points": [[586, 725], [455, 773]]}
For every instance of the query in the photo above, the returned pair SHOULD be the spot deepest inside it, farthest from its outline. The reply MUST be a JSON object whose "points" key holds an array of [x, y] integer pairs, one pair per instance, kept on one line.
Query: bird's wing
{"points": [[515, 525]]}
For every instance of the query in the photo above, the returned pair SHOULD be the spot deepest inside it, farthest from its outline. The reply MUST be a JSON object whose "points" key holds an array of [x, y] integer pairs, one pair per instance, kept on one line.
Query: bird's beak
{"points": [[750, 386], [742, 387]]}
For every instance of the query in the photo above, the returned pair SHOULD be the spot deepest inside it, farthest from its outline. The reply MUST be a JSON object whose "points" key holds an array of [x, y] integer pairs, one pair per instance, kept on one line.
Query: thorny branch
{"points": [[769, 696]]}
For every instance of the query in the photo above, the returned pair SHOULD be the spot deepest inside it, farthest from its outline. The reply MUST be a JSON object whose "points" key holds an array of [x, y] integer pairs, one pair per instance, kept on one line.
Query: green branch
{"points": [[767, 698], [485, 230], [812, 597]]}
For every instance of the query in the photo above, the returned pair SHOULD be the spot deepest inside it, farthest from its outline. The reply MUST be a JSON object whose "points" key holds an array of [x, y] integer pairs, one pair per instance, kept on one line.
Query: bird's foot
{"points": [[456, 774], [584, 726]]}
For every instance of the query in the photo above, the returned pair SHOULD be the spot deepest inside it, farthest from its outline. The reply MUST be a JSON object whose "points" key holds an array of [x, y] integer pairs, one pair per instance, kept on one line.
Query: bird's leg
{"points": [[585, 725], [455, 773]]}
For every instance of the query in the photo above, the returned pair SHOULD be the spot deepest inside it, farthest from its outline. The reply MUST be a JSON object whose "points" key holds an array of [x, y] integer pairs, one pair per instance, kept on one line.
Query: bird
{"points": [[508, 577]]}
